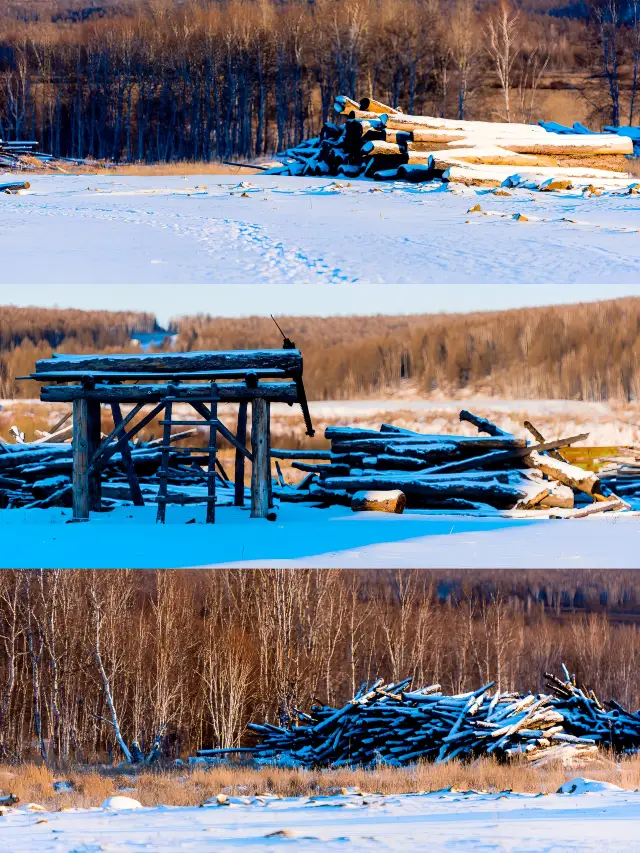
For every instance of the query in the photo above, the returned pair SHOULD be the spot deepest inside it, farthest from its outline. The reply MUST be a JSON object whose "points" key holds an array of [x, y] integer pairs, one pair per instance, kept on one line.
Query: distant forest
{"points": [[204, 652], [160, 81], [589, 351]]}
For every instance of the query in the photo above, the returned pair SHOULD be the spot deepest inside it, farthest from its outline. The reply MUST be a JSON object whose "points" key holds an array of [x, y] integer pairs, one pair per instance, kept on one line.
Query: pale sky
{"points": [[240, 300]]}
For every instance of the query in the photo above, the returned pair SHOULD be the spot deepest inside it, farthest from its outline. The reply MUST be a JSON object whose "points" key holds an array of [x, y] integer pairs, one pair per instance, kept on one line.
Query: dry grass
{"points": [[184, 167], [191, 787]]}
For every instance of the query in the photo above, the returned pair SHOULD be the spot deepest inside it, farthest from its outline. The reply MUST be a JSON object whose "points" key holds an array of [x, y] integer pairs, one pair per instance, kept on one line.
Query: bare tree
{"points": [[501, 33]]}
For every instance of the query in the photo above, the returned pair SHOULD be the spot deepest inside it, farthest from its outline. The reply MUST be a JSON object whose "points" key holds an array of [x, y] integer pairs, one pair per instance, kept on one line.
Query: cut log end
{"points": [[393, 501]]}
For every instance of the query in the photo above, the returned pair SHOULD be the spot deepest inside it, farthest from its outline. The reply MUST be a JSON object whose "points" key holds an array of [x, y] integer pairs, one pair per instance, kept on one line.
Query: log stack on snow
{"points": [[605, 723], [379, 142], [34, 475], [450, 472], [392, 724]]}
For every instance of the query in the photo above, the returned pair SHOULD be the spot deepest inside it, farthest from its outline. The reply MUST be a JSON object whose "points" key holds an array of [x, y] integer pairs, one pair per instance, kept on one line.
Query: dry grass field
{"points": [[192, 786]]}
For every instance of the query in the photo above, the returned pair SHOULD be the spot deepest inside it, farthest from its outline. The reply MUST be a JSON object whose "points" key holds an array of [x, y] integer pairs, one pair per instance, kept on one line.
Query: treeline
{"points": [[589, 351], [27, 334], [202, 653], [159, 81]]}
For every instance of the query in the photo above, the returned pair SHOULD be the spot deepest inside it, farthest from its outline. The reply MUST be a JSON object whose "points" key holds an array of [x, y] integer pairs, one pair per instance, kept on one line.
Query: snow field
{"points": [[593, 816], [287, 231]]}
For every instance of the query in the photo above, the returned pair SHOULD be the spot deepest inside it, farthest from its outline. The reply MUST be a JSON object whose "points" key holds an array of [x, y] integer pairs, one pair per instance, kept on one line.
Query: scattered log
{"points": [[393, 501]]}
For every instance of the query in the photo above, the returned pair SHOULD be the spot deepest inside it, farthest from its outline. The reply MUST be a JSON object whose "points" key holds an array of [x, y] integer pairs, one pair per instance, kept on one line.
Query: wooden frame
{"points": [[170, 378]]}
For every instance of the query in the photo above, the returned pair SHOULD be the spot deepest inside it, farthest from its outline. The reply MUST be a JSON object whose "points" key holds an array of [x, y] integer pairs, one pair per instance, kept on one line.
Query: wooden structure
{"points": [[201, 380]]}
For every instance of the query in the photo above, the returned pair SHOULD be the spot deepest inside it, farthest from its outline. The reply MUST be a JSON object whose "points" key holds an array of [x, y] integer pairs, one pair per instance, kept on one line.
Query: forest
{"points": [[197, 655], [156, 81], [584, 352]]}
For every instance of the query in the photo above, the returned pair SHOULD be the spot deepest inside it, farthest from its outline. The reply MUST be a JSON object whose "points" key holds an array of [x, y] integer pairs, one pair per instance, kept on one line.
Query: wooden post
{"points": [[163, 472], [211, 465], [260, 452], [269, 454], [241, 435], [93, 434], [80, 485]]}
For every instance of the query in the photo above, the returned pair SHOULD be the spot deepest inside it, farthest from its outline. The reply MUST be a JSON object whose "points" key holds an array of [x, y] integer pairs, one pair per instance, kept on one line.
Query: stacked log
{"points": [[605, 723], [392, 724], [38, 475], [496, 471], [379, 142]]}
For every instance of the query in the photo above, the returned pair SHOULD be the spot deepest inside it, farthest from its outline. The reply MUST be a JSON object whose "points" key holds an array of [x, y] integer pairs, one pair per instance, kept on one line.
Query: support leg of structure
{"points": [[93, 432], [241, 435], [80, 484], [260, 451]]}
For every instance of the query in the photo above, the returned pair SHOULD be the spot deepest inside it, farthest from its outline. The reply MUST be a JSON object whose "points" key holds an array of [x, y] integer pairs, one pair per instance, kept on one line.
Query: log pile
{"points": [[605, 723], [494, 471], [37, 475], [380, 142], [392, 724]]}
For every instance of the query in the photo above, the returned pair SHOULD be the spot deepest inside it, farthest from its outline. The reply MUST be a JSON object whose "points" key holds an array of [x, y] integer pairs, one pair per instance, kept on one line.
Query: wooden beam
{"points": [[260, 468], [125, 450], [241, 436], [287, 360], [277, 392]]}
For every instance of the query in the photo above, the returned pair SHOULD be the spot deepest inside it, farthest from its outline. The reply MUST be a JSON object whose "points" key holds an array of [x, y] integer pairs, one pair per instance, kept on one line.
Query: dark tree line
{"points": [[205, 81], [197, 655]]}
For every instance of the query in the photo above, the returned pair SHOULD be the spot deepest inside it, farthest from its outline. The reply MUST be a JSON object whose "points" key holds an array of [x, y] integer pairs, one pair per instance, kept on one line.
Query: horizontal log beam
{"points": [[276, 392], [287, 360]]}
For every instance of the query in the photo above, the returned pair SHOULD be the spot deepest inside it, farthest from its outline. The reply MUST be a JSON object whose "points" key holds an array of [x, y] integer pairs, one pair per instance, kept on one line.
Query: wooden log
{"points": [[540, 438], [381, 148], [601, 506], [393, 501], [568, 475], [560, 496], [279, 392], [369, 105], [260, 473], [241, 435], [493, 492], [287, 360], [279, 453], [483, 425]]}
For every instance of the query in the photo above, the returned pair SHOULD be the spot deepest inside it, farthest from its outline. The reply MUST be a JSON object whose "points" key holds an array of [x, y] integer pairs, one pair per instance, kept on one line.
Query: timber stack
{"points": [[606, 723], [493, 471], [380, 142], [38, 474], [393, 724]]}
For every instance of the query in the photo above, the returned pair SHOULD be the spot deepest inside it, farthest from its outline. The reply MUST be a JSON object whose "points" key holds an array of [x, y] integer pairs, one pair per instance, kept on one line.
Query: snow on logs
{"points": [[487, 472], [377, 141]]}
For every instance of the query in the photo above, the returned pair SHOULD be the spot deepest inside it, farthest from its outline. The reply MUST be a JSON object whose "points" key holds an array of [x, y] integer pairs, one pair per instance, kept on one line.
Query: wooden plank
{"points": [[133, 376], [277, 392], [260, 467], [125, 450], [241, 436], [287, 360]]}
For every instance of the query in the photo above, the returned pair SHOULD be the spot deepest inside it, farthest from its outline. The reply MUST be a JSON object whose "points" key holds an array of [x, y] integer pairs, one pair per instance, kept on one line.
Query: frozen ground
{"points": [[110, 229], [305, 536], [598, 819]]}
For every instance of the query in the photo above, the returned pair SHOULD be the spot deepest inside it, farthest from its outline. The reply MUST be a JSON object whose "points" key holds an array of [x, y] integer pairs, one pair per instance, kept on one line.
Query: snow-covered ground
{"points": [[597, 817], [318, 538], [107, 229]]}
